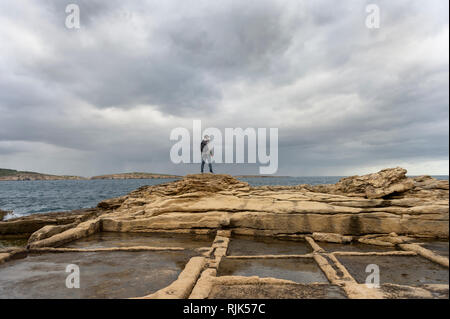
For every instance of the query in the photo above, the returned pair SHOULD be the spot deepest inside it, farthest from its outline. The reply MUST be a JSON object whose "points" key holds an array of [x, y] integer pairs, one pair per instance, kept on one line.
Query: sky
{"points": [[104, 98]]}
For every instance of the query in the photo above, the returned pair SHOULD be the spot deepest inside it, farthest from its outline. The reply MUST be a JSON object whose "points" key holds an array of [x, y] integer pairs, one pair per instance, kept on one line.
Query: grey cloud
{"points": [[341, 95], [201, 52]]}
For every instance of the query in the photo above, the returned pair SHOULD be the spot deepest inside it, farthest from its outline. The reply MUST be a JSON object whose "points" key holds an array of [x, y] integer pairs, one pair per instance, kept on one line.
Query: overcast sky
{"points": [[104, 98]]}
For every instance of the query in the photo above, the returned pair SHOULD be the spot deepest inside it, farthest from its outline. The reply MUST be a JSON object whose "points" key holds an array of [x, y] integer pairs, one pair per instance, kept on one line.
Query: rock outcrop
{"points": [[381, 203], [378, 185], [23, 227], [387, 212]]}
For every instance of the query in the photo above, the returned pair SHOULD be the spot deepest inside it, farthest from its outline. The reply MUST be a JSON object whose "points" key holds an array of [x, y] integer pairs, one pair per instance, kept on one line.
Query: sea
{"points": [[34, 197]]}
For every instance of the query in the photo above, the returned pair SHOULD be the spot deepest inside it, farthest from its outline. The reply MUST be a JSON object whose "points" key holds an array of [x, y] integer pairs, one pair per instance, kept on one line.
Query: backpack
{"points": [[202, 145]]}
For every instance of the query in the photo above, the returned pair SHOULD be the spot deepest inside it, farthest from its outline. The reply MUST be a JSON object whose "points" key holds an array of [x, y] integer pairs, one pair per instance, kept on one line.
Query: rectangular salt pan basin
{"points": [[438, 247], [102, 275], [117, 239], [251, 246], [301, 270], [401, 270], [353, 247]]}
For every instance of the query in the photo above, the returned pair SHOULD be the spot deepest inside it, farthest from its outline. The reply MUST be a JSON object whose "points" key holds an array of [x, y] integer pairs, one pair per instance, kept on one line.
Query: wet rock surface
{"points": [[25, 226], [109, 239], [288, 291], [102, 275], [392, 291], [439, 247], [354, 247], [311, 273], [248, 245], [334, 232], [301, 270], [401, 270]]}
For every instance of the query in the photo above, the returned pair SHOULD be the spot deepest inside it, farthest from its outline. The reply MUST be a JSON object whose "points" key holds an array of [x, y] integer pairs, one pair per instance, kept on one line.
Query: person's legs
{"points": [[207, 159]]}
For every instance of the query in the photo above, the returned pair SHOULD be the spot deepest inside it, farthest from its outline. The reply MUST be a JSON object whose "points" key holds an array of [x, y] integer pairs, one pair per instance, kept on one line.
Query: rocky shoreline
{"points": [[379, 203], [384, 209]]}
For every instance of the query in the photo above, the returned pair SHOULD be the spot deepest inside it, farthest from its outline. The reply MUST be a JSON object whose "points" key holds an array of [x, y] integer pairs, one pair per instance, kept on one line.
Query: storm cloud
{"points": [[104, 98]]}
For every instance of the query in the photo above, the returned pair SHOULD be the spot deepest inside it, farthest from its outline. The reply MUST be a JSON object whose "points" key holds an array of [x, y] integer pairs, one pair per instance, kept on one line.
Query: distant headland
{"points": [[14, 175]]}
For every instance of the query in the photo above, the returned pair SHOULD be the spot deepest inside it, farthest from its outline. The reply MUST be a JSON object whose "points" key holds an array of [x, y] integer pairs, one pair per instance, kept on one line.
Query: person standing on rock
{"points": [[207, 153]]}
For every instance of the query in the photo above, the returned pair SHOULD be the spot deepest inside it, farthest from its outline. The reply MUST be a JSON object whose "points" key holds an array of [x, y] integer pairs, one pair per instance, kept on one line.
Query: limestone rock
{"points": [[377, 185], [210, 202], [48, 231], [331, 238], [112, 203], [195, 185], [427, 182], [182, 287], [25, 226]]}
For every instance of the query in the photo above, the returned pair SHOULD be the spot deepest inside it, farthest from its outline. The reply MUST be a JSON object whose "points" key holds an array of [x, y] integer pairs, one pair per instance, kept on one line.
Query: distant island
{"points": [[14, 175]]}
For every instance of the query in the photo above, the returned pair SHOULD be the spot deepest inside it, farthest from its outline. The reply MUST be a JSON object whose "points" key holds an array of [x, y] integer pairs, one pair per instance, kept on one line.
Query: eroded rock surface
{"points": [[381, 203], [25, 226], [377, 204], [376, 185], [383, 218]]}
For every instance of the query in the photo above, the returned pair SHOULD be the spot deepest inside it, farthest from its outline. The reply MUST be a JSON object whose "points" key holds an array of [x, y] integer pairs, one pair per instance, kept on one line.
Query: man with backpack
{"points": [[207, 152]]}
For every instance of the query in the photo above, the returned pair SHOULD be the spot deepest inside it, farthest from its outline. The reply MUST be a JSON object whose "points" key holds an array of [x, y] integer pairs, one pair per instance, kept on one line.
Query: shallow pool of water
{"points": [[117, 239], [438, 247], [301, 270], [354, 247], [102, 275], [251, 246], [401, 270]]}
